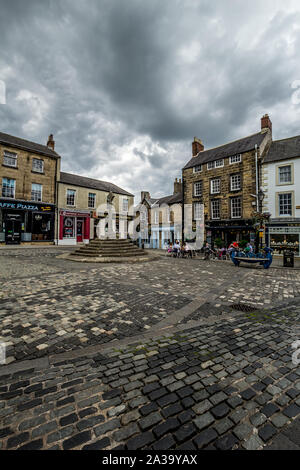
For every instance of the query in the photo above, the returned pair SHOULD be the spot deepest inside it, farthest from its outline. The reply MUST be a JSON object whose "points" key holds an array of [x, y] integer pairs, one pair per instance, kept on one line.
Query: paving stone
{"points": [[205, 437], [107, 427], [167, 426], [223, 425], [269, 409], [126, 432], [220, 411], [204, 420], [186, 431], [167, 442], [253, 443], [266, 432], [97, 445], [242, 431], [77, 440], [292, 410], [149, 421], [226, 442], [142, 440], [90, 422]]}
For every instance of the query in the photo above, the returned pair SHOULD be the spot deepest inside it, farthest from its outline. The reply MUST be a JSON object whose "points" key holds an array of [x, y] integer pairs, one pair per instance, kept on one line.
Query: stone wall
{"points": [[24, 175]]}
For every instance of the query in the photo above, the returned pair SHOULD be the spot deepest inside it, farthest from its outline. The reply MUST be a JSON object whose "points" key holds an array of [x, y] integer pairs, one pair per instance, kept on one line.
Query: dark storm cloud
{"points": [[125, 86]]}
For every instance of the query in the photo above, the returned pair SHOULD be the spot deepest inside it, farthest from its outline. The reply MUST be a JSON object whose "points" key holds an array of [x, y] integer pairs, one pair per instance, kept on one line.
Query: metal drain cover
{"points": [[244, 307]]}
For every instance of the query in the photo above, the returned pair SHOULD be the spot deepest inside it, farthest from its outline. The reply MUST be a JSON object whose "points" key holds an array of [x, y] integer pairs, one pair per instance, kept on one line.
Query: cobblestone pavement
{"points": [[191, 371]]}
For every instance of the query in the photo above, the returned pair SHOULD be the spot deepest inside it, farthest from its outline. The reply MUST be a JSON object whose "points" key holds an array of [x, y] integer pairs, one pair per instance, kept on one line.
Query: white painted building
{"points": [[281, 184]]}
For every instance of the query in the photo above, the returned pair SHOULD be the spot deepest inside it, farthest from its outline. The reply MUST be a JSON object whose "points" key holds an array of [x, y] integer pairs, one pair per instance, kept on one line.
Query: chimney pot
{"points": [[177, 186], [197, 146]]}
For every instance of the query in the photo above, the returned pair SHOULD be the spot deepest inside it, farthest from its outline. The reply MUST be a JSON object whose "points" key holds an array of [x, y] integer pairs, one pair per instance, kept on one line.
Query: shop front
{"points": [[230, 231], [74, 227], [284, 238], [22, 221]]}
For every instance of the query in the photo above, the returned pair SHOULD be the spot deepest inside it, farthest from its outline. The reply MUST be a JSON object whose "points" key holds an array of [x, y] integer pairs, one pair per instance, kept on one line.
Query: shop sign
{"points": [[24, 206], [74, 214]]}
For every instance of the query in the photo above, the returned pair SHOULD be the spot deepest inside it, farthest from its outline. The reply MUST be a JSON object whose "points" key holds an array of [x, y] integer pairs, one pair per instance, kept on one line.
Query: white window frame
{"points": [[196, 188], [156, 217], [10, 157], [125, 200], [212, 191], [74, 191], [212, 209], [37, 169], [196, 214], [280, 195], [210, 165], [235, 159], [232, 208], [91, 199], [221, 161], [232, 178], [291, 174], [9, 186], [37, 196], [197, 166]]}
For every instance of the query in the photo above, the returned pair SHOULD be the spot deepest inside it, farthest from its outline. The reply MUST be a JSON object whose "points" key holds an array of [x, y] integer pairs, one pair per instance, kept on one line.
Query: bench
{"points": [[264, 260]]}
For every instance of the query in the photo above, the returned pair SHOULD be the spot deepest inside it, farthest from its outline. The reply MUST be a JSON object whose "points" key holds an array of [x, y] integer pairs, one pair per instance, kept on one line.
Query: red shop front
{"points": [[74, 227]]}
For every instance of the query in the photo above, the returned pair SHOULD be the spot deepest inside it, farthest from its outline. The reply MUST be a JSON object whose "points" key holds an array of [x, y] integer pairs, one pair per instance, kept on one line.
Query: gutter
{"points": [[256, 177]]}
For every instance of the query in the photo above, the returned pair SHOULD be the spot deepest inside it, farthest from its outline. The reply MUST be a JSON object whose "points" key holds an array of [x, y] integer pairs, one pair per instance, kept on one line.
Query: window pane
{"points": [[197, 168], [235, 182], [215, 186], [36, 192], [219, 163], [285, 174], [71, 197], [210, 165], [198, 211], [10, 159], [285, 204], [198, 188], [235, 158], [8, 187], [236, 207], [38, 165], [91, 200], [215, 209], [125, 205]]}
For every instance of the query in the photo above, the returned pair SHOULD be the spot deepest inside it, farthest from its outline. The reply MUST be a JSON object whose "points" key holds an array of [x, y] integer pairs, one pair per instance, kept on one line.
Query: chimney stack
{"points": [[51, 143], [145, 195], [197, 146], [266, 123], [177, 186]]}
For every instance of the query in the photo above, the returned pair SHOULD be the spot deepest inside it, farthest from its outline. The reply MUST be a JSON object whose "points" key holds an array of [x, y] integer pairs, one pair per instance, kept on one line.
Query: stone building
{"points": [[226, 180], [281, 185], [83, 203], [28, 175], [160, 218]]}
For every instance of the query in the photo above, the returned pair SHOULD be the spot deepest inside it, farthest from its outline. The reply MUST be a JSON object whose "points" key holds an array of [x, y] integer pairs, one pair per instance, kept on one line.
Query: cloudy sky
{"points": [[125, 85]]}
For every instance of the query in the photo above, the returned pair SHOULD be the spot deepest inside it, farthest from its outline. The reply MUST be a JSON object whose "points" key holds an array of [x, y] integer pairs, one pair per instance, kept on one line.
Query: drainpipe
{"points": [[256, 177], [182, 211]]}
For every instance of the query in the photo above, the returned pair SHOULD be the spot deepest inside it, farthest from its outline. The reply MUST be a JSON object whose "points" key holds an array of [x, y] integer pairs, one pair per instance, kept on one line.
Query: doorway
{"points": [[79, 230], [13, 230]]}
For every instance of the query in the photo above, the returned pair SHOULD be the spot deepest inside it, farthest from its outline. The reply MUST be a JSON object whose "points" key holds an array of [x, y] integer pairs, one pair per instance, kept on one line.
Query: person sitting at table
{"points": [[176, 247]]}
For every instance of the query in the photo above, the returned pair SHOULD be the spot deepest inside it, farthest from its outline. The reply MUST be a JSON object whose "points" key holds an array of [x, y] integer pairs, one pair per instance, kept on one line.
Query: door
{"points": [[12, 232], [79, 230]]}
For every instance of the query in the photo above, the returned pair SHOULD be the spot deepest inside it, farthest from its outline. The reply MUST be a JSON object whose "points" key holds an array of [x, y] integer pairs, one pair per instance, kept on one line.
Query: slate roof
{"points": [[84, 182], [232, 148], [23, 144], [173, 199], [283, 149]]}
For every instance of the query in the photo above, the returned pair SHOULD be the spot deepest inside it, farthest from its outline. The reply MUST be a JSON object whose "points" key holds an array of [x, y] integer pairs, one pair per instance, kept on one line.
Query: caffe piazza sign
{"points": [[18, 205]]}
